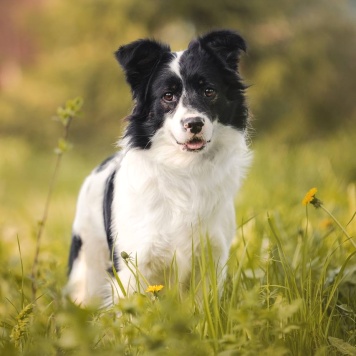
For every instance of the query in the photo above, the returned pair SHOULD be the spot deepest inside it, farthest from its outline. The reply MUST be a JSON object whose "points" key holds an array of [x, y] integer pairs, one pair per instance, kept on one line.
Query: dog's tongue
{"points": [[195, 144]]}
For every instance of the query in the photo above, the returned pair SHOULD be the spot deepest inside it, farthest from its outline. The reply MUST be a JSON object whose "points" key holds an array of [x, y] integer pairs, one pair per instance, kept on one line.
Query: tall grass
{"points": [[291, 285]]}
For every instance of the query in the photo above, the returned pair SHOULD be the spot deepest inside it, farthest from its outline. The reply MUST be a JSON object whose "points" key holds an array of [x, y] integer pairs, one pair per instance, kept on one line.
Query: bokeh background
{"points": [[300, 66], [301, 62]]}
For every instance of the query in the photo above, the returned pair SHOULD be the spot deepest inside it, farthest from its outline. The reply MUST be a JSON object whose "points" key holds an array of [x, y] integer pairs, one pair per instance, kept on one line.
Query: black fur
{"points": [[226, 45], [75, 247], [140, 61], [107, 212], [220, 52], [104, 164]]}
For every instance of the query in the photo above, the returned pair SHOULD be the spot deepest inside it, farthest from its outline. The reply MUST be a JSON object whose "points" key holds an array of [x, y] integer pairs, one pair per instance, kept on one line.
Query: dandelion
{"points": [[312, 199], [309, 196], [154, 289]]}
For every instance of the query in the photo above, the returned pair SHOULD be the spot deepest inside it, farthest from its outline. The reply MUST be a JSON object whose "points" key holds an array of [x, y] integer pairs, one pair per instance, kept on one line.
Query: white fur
{"points": [[173, 124], [174, 65]]}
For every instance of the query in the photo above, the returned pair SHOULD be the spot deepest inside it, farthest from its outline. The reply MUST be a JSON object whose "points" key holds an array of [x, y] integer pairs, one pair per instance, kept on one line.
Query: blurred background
{"points": [[300, 66], [301, 61]]}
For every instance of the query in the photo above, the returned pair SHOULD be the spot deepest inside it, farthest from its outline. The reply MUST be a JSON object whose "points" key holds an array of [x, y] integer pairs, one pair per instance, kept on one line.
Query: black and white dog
{"points": [[183, 157]]}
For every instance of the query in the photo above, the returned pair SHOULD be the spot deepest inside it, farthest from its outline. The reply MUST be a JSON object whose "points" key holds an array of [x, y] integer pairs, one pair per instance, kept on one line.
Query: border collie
{"points": [[172, 185]]}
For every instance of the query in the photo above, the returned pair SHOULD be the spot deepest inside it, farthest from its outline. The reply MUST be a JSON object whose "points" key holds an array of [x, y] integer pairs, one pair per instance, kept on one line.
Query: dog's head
{"points": [[184, 94]]}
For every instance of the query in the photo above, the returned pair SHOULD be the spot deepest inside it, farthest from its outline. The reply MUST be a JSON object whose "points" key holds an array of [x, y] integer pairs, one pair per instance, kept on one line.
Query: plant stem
{"points": [[339, 225], [42, 222]]}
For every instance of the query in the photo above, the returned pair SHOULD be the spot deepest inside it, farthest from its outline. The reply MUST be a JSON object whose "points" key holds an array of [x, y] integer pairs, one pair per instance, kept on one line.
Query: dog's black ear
{"points": [[226, 44], [139, 59]]}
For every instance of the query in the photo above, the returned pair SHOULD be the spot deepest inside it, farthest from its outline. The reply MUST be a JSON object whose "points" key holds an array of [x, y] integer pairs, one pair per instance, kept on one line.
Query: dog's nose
{"points": [[193, 124]]}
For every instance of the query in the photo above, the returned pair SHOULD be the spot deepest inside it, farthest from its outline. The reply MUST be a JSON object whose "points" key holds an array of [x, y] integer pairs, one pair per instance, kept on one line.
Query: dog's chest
{"points": [[166, 197], [160, 214], [156, 202]]}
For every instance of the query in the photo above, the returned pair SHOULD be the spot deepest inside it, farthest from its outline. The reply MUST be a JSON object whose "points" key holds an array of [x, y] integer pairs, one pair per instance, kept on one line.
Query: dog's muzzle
{"points": [[193, 125]]}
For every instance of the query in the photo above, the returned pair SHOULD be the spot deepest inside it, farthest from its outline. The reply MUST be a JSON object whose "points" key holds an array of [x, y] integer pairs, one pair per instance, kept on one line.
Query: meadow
{"points": [[292, 273]]}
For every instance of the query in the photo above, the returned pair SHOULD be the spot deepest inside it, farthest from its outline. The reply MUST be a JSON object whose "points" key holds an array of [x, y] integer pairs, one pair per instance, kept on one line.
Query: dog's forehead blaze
{"points": [[187, 66], [175, 64]]}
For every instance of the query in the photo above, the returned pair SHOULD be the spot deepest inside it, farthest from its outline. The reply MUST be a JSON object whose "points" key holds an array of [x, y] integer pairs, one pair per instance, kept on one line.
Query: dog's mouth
{"points": [[194, 145]]}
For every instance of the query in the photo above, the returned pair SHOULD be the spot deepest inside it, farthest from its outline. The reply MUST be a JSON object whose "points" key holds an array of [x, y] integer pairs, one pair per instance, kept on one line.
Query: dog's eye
{"points": [[209, 92], [168, 96]]}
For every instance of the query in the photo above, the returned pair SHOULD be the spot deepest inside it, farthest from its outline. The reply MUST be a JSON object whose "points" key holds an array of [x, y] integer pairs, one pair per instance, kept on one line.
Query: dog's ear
{"points": [[139, 59], [226, 44]]}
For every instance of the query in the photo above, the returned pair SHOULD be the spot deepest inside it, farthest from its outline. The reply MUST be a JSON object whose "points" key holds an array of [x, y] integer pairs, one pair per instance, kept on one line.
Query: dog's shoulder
{"points": [[110, 163]]}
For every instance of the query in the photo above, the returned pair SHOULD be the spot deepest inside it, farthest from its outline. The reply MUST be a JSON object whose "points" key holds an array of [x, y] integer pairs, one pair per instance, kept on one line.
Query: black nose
{"points": [[193, 124]]}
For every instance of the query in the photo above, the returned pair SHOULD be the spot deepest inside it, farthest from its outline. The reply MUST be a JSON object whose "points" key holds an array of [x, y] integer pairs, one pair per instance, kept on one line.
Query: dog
{"points": [[183, 157]]}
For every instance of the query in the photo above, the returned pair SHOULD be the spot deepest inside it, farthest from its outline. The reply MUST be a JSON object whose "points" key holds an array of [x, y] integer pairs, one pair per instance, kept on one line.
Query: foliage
{"points": [[300, 62], [288, 303], [291, 286], [65, 115]]}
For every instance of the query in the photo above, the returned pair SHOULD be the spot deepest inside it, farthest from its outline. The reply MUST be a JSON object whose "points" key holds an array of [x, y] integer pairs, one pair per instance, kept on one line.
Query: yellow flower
{"points": [[309, 196], [312, 199], [154, 289]]}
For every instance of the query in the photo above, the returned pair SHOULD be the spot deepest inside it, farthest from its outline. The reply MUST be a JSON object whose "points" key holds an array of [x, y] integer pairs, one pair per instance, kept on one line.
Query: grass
{"points": [[291, 287]]}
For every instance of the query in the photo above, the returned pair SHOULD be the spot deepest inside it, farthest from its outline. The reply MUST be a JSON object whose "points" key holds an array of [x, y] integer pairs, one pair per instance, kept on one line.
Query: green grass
{"points": [[291, 288]]}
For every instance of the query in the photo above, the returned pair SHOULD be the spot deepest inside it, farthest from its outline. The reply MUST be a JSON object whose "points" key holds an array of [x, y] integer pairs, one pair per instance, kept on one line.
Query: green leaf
{"points": [[342, 346]]}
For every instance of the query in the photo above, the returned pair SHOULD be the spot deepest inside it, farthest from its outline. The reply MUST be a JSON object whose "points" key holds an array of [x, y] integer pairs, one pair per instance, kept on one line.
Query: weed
{"points": [[290, 287]]}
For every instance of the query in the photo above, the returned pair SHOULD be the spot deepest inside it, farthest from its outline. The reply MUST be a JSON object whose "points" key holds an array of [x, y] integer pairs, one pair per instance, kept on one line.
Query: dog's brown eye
{"points": [[168, 96], [209, 92]]}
